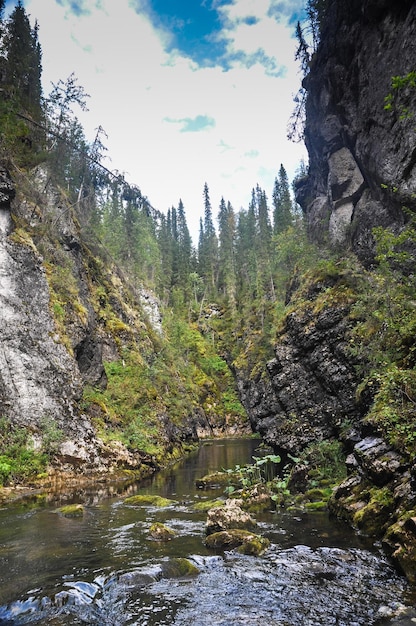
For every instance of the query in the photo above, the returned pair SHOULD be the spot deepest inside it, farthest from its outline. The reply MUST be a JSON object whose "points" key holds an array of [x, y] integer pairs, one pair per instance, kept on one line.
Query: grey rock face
{"points": [[32, 360], [362, 156], [311, 382], [7, 190]]}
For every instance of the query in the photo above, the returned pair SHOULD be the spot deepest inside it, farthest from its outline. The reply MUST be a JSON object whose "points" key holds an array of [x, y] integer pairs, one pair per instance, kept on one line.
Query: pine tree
{"points": [[226, 254], [282, 203], [263, 220], [208, 246], [184, 248]]}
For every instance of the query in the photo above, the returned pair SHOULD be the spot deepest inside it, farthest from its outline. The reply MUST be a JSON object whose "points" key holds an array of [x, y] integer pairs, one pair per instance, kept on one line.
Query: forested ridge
{"points": [[257, 278]]}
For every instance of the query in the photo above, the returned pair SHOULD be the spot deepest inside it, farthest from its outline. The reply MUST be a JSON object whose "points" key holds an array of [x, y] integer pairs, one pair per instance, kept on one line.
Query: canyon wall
{"points": [[360, 133]]}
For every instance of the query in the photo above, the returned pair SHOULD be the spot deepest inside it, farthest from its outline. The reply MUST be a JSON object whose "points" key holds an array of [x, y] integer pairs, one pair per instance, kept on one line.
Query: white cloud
{"points": [[136, 87]]}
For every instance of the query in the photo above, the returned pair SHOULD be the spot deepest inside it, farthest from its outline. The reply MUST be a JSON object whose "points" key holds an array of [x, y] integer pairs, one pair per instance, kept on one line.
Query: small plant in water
{"points": [[262, 471]]}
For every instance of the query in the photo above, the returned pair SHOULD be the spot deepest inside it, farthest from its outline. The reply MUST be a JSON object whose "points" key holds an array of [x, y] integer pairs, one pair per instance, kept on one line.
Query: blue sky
{"points": [[188, 91]]}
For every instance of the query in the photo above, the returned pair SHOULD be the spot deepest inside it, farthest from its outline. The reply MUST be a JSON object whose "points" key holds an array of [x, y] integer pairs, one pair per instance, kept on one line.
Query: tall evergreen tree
{"points": [[23, 61], [208, 245], [282, 203], [263, 221], [227, 236], [184, 247]]}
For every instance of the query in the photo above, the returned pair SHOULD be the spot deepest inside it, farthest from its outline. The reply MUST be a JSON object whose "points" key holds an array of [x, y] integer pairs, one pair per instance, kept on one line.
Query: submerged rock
{"points": [[179, 568], [244, 541], [72, 510], [160, 532], [148, 499]]}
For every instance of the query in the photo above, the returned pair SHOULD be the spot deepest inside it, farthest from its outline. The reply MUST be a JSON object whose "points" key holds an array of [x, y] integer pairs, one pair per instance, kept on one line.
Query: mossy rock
{"points": [[318, 495], [179, 568], [206, 505], [160, 532], [216, 480], [244, 541], [400, 543], [146, 500], [372, 518], [71, 510], [316, 506]]}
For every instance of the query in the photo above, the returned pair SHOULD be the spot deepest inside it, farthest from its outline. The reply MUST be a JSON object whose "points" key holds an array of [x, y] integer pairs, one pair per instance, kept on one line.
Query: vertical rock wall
{"points": [[362, 155]]}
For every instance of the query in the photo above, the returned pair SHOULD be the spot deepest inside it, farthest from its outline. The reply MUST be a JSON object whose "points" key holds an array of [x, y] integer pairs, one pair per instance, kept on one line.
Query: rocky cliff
{"points": [[361, 146], [361, 137]]}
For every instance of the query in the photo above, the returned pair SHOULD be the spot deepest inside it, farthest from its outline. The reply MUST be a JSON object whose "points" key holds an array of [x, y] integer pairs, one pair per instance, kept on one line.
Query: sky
{"points": [[187, 91]]}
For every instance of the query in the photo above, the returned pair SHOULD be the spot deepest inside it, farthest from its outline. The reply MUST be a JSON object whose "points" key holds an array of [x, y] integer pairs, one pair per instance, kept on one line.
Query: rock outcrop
{"points": [[362, 153], [308, 391]]}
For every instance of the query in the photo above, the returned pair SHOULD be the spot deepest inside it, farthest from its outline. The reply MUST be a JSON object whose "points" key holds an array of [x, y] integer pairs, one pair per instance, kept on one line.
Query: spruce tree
{"points": [[208, 245], [184, 248], [226, 254], [282, 203], [23, 61]]}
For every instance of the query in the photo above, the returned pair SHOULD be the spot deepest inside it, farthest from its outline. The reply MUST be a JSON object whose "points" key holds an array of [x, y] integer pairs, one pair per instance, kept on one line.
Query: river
{"points": [[103, 569]]}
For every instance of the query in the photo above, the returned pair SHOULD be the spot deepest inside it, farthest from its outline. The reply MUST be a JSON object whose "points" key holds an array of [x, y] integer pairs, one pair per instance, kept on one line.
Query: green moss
{"points": [[146, 500], [400, 540], [206, 505], [317, 495], [255, 546], [71, 510], [243, 540], [316, 506], [160, 532], [179, 568], [373, 516]]}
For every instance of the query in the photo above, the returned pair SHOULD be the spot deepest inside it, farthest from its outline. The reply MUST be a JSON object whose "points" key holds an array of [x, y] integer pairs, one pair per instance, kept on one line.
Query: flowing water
{"points": [[104, 570]]}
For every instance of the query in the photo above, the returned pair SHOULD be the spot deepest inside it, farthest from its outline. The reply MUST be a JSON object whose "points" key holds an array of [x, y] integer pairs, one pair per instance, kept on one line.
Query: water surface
{"points": [[103, 569]]}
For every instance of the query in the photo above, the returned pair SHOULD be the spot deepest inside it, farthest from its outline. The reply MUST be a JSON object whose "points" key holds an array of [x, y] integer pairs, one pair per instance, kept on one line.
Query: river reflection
{"points": [[102, 569]]}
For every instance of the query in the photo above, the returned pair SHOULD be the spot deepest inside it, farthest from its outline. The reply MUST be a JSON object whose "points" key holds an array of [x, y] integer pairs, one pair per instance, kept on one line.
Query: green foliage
{"points": [[393, 411], [186, 374], [397, 99], [261, 472], [384, 336], [325, 461], [386, 308], [18, 460]]}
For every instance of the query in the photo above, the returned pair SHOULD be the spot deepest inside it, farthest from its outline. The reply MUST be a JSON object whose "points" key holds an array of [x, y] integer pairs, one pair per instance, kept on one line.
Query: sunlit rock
{"points": [[231, 515]]}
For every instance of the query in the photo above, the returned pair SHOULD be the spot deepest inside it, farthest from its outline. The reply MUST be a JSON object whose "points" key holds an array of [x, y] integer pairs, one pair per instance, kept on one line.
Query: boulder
{"points": [[160, 532], [244, 541], [231, 515]]}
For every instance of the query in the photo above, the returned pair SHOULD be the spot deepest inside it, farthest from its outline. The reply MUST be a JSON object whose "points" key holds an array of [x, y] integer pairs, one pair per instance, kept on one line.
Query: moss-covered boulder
{"points": [[179, 568], [243, 541], [400, 542], [71, 510], [257, 499], [160, 532], [149, 500], [230, 515], [374, 515]]}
